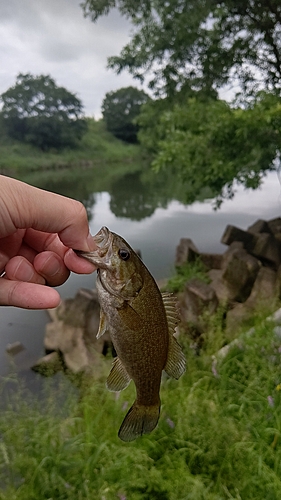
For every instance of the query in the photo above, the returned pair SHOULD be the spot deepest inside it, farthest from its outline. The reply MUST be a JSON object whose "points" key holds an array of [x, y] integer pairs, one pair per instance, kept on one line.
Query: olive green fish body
{"points": [[141, 324]]}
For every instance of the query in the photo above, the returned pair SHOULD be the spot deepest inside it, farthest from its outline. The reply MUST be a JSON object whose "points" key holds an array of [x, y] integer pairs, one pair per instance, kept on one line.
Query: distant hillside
{"points": [[98, 147]]}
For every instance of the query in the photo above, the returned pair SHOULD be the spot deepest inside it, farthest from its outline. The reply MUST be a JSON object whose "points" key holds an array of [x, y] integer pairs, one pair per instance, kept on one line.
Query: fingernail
{"points": [[25, 272], [52, 267], [91, 243]]}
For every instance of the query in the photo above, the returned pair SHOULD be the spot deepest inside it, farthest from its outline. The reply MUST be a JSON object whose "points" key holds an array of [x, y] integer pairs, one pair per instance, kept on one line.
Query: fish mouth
{"points": [[103, 240]]}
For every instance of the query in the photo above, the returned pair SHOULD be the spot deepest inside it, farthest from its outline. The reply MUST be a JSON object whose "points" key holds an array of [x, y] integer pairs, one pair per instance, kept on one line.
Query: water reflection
{"points": [[131, 198], [134, 195], [150, 213]]}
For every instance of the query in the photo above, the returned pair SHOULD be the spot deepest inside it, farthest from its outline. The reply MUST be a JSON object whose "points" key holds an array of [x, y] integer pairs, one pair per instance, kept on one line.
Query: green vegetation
{"points": [[120, 109], [207, 142], [98, 148], [100, 163], [37, 111], [186, 272], [198, 44], [218, 436], [188, 52]]}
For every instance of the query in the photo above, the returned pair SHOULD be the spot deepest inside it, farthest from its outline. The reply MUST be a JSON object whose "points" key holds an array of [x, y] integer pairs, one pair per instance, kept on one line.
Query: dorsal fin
{"points": [[175, 364], [172, 312]]}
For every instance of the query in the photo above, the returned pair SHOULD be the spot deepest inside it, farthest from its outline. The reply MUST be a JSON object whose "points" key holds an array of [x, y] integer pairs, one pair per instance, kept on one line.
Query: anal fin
{"points": [[118, 378]]}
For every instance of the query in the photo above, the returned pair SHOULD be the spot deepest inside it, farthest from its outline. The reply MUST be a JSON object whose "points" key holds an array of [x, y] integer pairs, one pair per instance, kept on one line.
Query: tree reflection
{"points": [[137, 195], [79, 185], [134, 195], [131, 198]]}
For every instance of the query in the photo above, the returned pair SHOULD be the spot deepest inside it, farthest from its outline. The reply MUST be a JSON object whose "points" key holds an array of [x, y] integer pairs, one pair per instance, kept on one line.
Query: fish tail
{"points": [[139, 420]]}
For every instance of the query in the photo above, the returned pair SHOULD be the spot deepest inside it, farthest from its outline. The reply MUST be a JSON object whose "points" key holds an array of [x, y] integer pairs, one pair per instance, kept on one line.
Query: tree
{"points": [[209, 143], [37, 111], [203, 44], [189, 50], [120, 108]]}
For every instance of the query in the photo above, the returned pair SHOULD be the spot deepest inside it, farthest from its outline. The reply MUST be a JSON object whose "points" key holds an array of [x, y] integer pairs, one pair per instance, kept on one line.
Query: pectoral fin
{"points": [[118, 379], [102, 325], [175, 364]]}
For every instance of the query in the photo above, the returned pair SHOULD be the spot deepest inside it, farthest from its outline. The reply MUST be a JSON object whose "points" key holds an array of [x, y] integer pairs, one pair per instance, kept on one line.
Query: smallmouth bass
{"points": [[141, 322]]}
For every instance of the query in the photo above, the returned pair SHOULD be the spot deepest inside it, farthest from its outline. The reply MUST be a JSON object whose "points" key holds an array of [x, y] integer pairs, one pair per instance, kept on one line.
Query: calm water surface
{"points": [[156, 235]]}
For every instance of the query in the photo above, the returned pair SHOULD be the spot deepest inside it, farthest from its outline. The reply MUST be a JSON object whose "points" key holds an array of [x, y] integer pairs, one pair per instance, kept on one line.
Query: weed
{"points": [[186, 272], [219, 435]]}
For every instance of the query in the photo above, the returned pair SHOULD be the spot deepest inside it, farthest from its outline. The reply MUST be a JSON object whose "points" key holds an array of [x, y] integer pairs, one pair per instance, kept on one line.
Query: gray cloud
{"points": [[54, 38]]}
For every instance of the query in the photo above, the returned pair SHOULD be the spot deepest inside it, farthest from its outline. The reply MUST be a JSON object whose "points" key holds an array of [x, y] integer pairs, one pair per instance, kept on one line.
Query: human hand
{"points": [[38, 230]]}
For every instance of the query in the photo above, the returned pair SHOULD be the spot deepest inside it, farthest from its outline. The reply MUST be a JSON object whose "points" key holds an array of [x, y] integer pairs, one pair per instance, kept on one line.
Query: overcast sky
{"points": [[52, 37]]}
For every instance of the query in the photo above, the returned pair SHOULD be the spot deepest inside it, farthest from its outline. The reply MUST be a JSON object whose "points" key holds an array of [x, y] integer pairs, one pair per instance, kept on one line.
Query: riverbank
{"points": [[218, 434], [98, 148]]}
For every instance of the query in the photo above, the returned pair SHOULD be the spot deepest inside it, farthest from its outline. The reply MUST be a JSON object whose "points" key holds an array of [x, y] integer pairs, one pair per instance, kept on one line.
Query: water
{"points": [[153, 225]]}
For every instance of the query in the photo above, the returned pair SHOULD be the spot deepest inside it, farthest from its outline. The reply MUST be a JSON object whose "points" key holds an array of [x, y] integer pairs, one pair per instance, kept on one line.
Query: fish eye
{"points": [[124, 254]]}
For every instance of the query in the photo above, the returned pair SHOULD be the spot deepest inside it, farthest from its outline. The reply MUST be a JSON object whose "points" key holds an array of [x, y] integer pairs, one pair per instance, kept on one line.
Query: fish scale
{"points": [[141, 322]]}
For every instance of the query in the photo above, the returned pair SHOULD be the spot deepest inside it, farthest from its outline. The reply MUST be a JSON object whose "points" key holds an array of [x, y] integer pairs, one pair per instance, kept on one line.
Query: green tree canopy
{"points": [[36, 110], [120, 108], [189, 50], [202, 44], [211, 144]]}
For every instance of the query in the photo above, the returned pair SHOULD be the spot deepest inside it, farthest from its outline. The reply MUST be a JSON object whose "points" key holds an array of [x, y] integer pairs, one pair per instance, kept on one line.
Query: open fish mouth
{"points": [[103, 240], [103, 237]]}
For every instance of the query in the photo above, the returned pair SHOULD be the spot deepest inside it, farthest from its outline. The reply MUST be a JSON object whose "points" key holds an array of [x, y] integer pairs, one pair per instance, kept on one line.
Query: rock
{"points": [[278, 283], [83, 311], [276, 317], [275, 225], [186, 252], [48, 365], [69, 340], [260, 226], [267, 249], [263, 294], [264, 290], [235, 318], [277, 236], [211, 260], [76, 311], [240, 270], [197, 297], [233, 283], [234, 234], [73, 333], [262, 245], [14, 348], [218, 285]]}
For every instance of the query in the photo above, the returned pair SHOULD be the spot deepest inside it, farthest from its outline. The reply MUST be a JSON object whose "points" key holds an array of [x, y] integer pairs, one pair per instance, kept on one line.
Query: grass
{"points": [[218, 436], [96, 149], [186, 272]]}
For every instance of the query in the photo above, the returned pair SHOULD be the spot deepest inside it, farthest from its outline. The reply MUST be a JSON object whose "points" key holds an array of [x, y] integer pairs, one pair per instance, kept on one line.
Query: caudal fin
{"points": [[139, 420]]}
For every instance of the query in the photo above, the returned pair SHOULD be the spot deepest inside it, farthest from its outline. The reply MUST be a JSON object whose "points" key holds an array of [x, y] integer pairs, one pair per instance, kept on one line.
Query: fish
{"points": [[141, 323]]}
